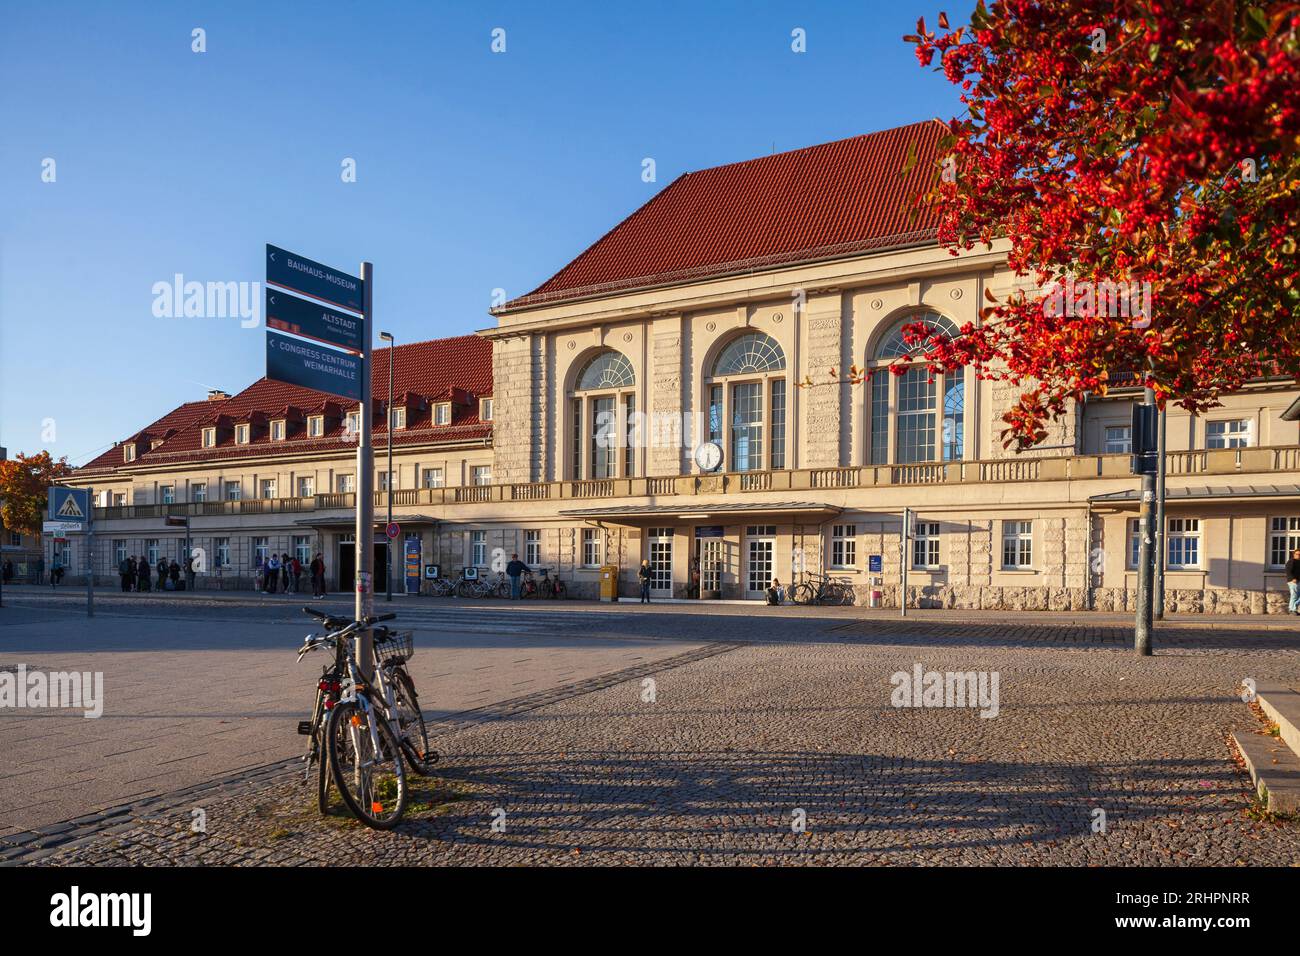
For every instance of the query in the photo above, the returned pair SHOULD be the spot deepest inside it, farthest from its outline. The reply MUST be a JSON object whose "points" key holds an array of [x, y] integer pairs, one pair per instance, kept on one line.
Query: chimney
{"points": [[217, 395]]}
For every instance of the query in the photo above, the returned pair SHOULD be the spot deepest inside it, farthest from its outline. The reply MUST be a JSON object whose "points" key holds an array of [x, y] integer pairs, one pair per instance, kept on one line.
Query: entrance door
{"points": [[346, 563], [760, 564], [710, 556], [661, 561]]}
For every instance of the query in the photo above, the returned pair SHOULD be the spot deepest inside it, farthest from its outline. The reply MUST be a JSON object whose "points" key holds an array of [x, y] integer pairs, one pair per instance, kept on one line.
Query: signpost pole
{"points": [[365, 532], [907, 534], [90, 552], [1146, 531]]}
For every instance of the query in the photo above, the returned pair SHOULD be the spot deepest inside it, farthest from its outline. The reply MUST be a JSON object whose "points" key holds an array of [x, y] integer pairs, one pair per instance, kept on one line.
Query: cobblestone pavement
{"points": [[742, 740]]}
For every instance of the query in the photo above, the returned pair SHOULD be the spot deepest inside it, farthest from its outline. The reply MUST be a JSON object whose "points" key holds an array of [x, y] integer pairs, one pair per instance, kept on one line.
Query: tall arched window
{"points": [[602, 411], [746, 392], [922, 430]]}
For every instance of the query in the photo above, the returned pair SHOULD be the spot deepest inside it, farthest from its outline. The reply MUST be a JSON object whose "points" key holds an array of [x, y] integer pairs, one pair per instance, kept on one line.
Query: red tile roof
{"points": [[431, 368], [820, 202]]}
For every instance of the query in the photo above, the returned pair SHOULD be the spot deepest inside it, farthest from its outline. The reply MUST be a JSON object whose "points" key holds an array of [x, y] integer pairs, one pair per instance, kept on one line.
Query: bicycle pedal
{"points": [[304, 727]]}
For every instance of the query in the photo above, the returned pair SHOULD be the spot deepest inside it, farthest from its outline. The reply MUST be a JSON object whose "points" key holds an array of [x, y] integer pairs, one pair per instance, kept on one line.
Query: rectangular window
{"points": [[119, 500], [261, 550], [302, 549], [591, 547], [399, 416], [316, 426], [306, 486], [954, 417], [1283, 538], [16, 539], [778, 422], [532, 548], [576, 469], [916, 396], [381, 481], [630, 437], [485, 409], [604, 437], [199, 491], [233, 491], [1233, 433], [482, 474], [221, 552], [747, 426], [478, 548], [268, 487], [167, 493], [1184, 536], [442, 413], [346, 484], [433, 478], [242, 433], [209, 437], [880, 418], [152, 550], [119, 550], [844, 546], [1119, 440], [1017, 545], [925, 544], [277, 430], [715, 414], [1134, 542], [128, 453]]}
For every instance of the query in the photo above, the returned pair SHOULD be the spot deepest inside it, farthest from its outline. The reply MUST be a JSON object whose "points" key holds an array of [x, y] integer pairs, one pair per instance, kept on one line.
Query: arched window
{"points": [[602, 412], [747, 403], [912, 401], [607, 369]]}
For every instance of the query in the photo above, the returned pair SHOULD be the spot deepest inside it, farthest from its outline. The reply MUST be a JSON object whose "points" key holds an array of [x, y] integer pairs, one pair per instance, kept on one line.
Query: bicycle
{"points": [[551, 587], [443, 587], [820, 589], [367, 737]]}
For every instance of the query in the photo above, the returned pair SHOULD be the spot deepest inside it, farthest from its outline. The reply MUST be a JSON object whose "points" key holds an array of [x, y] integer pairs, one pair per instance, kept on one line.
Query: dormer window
{"points": [[315, 426], [241, 434], [209, 438], [128, 453], [277, 430], [485, 409], [352, 424], [155, 443], [399, 416], [442, 413]]}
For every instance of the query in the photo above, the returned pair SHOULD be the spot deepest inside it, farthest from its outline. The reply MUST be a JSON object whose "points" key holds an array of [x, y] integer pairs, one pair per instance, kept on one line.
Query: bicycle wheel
{"points": [[415, 735], [373, 784], [802, 593], [560, 590], [465, 589]]}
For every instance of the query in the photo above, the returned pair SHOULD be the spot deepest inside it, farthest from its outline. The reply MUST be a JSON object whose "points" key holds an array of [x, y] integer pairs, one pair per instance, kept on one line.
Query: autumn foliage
{"points": [[24, 486], [1124, 142]]}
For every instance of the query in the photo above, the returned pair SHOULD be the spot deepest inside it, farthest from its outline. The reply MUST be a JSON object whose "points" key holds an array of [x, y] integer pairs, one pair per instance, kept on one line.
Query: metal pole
{"points": [[90, 552], [907, 533], [1146, 555], [1161, 550], [365, 545], [388, 546]]}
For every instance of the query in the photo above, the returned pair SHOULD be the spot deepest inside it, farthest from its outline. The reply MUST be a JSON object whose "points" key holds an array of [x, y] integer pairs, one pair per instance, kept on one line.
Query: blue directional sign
{"points": [[875, 563], [288, 313], [69, 504], [292, 271], [312, 366]]}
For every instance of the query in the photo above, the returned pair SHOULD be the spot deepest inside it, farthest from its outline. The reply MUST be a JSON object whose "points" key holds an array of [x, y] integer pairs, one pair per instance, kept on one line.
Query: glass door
{"points": [[661, 561], [760, 562]]}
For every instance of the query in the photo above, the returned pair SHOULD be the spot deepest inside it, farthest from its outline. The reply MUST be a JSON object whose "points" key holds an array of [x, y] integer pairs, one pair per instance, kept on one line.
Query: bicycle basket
{"points": [[396, 646]]}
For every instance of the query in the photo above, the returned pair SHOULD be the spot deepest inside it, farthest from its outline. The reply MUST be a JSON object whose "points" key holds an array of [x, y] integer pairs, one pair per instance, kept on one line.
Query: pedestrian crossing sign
{"points": [[69, 504]]}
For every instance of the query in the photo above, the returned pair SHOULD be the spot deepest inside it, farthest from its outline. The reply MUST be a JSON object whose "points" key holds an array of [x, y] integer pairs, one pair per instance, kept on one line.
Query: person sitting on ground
{"points": [[775, 593]]}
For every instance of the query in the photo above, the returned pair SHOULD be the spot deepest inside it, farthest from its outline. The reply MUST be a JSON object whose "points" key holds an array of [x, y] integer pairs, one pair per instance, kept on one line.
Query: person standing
{"points": [[8, 571], [515, 569], [318, 576], [190, 571], [174, 575], [162, 574], [643, 573], [295, 573], [284, 573], [143, 573], [125, 571], [133, 573], [1293, 581], [272, 574]]}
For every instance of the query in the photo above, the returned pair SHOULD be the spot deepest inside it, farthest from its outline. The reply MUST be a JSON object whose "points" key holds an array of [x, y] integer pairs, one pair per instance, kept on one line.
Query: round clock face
{"points": [[708, 456]]}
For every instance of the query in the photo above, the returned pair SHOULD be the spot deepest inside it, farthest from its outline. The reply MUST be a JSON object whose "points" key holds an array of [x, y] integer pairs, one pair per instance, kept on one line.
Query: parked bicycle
{"points": [[363, 735], [546, 586], [821, 589]]}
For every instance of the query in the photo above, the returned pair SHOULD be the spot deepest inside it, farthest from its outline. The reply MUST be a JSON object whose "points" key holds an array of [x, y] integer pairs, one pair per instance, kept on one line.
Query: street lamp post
{"points": [[388, 546]]}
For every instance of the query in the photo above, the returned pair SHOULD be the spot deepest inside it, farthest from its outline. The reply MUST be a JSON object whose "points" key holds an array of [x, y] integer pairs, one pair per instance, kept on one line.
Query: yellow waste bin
{"points": [[609, 582]]}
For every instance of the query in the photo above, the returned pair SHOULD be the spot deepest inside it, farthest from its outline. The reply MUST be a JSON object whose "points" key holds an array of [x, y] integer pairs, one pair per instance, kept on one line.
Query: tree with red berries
{"points": [[1114, 144]]}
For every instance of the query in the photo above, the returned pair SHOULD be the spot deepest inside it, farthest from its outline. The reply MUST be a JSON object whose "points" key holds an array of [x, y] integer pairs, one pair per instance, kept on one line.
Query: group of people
{"points": [[139, 574], [284, 573]]}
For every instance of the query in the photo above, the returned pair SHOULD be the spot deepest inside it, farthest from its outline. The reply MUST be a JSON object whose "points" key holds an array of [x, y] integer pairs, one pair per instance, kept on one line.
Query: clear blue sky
{"points": [[475, 170]]}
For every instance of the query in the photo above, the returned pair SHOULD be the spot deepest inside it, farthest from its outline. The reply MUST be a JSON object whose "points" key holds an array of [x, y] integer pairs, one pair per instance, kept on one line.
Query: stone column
{"points": [[667, 444], [514, 408], [823, 402]]}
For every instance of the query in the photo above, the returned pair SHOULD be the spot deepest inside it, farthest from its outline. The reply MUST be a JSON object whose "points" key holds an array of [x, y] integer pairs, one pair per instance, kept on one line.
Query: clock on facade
{"points": [[708, 456]]}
